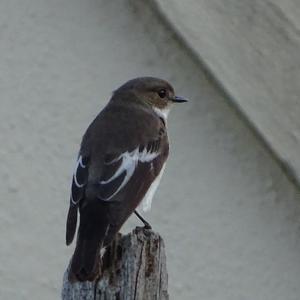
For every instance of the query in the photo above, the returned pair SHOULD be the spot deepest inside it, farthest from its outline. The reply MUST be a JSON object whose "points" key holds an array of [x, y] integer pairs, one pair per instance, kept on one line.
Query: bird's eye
{"points": [[162, 93]]}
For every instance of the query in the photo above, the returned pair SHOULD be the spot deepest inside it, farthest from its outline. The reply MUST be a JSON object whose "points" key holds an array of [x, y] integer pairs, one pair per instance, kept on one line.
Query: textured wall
{"points": [[229, 216], [252, 48]]}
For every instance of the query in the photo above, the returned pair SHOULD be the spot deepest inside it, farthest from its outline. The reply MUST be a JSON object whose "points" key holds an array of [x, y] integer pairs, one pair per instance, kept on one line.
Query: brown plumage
{"points": [[122, 153]]}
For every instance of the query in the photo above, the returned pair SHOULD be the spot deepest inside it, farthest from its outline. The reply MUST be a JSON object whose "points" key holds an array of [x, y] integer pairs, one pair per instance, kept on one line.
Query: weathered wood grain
{"points": [[134, 267]]}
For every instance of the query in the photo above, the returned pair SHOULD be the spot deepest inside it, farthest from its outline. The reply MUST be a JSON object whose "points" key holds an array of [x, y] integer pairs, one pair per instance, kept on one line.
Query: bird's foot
{"points": [[147, 226]]}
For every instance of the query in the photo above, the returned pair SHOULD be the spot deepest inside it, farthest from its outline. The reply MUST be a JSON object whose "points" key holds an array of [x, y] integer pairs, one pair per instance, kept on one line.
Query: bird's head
{"points": [[151, 91]]}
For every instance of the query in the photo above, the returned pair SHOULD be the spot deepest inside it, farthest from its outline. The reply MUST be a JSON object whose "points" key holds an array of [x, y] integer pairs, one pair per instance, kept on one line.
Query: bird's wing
{"points": [[120, 169], [143, 162], [79, 181]]}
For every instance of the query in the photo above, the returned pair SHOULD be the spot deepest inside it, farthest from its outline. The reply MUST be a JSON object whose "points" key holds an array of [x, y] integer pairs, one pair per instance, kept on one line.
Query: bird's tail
{"points": [[86, 261]]}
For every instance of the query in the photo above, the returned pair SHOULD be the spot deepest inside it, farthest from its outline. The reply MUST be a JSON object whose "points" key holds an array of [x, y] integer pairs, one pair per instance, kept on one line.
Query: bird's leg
{"points": [[146, 224]]}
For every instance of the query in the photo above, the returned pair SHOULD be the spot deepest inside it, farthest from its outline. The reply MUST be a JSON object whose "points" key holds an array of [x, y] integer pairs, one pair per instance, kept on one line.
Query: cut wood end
{"points": [[134, 267]]}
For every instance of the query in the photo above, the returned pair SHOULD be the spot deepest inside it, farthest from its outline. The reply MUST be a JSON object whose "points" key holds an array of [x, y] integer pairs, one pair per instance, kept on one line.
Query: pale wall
{"points": [[228, 214], [252, 48]]}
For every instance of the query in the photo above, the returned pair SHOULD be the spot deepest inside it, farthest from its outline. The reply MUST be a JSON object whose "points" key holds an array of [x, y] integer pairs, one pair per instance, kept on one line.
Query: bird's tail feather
{"points": [[71, 224], [85, 264]]}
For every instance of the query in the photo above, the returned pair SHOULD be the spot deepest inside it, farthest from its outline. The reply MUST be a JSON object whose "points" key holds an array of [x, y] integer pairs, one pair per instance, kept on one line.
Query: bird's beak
{"points": [[178, 99]]}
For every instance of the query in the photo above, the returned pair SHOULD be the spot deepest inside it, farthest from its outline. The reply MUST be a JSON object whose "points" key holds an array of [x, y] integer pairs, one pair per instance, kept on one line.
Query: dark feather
{"points": [[108, 189], [77, 194], [100, 220], [71, 224]]}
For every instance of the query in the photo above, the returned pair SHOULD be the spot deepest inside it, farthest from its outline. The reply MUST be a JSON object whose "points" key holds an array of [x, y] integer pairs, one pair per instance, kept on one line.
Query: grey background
{"points": [[227, 212], [252, 48]]}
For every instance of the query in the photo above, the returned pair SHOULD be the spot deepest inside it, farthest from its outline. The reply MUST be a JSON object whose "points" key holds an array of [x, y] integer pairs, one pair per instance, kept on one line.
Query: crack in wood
{"points": [[138, 271], [135, 270]]}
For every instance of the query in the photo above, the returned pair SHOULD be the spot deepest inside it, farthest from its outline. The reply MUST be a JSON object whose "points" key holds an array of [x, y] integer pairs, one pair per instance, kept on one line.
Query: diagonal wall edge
{"points": [[274, 122]]}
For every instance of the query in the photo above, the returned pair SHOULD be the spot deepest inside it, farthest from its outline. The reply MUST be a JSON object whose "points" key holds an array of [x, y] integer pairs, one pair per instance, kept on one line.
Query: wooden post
{"points": [[134, 268]]}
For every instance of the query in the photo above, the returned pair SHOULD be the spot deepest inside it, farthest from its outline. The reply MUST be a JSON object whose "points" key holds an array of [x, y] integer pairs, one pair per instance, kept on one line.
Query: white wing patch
{"points": [[79, 163], [147, 200], [74, 202], [78, 168], [129, 163]]}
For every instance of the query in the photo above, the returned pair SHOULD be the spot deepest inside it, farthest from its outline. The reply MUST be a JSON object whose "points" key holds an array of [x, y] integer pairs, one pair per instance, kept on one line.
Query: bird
{"points": [[120, 163]]}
